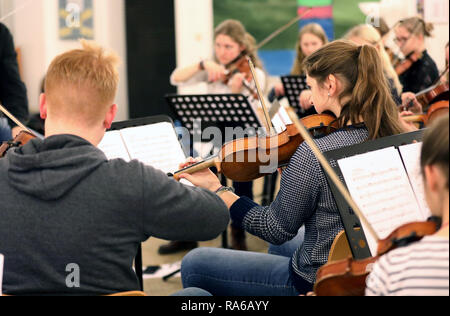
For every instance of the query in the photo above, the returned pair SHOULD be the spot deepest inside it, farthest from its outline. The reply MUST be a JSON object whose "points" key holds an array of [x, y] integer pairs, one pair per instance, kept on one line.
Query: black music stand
{"points": [[353, 228], [219, 110], [293, 87]]}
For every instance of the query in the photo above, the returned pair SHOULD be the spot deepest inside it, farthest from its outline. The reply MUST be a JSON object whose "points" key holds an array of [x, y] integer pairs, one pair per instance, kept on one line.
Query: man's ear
{"points": [[43, 106], [110, 116], [431, 178]]}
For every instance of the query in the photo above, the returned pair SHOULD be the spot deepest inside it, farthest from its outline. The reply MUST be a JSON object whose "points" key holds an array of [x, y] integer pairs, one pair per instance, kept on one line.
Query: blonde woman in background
{"points": [[311, 38], [366, 34]]}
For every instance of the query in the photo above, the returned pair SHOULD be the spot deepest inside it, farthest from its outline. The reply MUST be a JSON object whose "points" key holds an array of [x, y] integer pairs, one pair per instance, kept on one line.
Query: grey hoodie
{"points": [[64, 205]]}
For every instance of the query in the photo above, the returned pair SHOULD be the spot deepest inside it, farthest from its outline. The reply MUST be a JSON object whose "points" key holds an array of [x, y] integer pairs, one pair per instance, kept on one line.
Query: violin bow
{"points": [[12, 117], [263, 102], [334, 177], [282, 29]]}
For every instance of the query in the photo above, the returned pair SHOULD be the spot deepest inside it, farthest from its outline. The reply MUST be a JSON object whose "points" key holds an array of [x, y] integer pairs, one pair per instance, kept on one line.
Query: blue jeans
{"points": [[5, 130], [287, 249], [192, 292], [224, 272]]}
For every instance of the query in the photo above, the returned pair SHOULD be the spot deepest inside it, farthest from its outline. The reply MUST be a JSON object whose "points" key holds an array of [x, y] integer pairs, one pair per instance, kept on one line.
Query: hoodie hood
{"points": [[48, 169]]}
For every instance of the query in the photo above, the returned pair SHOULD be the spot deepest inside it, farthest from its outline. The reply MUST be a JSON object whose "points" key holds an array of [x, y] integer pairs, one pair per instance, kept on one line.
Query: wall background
{"points": [[35, 30]]}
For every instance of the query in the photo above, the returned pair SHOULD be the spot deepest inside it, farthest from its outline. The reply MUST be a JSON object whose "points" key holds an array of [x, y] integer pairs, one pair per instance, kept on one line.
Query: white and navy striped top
{"points": [[305, 198], [420, 269]]}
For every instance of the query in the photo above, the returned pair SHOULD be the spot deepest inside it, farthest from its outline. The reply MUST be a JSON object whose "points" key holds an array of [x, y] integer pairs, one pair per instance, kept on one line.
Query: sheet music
{"points": [[411, 159], [156, 145], [380, 186], [113, 147]]}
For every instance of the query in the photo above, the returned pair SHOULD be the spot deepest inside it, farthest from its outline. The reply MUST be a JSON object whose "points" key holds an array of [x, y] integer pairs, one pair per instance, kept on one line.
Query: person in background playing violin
{"points": [[410, 36], [232, 42], [422, 268], [366, 34], [311, 37], [64, 204], [13, 93], [343, 78]]}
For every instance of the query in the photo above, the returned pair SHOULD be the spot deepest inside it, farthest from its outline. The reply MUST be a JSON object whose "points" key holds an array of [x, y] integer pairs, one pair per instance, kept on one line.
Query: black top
{"points": [[13, 94], [421, 75]]}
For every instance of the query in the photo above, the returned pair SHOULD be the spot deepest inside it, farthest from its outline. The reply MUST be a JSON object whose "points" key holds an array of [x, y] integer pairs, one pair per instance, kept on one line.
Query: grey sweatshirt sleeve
{"points": [[174, 211]]}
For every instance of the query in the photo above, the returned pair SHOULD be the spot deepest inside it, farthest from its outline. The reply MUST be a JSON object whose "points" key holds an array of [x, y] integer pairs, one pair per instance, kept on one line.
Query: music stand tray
{"points": [[353, 228], [218, 110]]}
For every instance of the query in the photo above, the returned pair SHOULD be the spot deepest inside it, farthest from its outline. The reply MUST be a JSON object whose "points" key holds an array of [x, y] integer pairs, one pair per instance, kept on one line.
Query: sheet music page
{"points": [[156, 145], [378, 183], [113, 146], [411, 159]]}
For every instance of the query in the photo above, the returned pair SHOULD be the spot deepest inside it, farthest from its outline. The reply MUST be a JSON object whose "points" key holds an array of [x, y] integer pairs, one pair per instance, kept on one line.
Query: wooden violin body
{"points": [[403, 66], [435, 111], [21, 139], [433, 95], [348, 277], [247, 159]]}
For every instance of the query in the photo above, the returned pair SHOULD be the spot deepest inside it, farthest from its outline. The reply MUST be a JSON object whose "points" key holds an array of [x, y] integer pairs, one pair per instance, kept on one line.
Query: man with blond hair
{"points": [[72, 221]]}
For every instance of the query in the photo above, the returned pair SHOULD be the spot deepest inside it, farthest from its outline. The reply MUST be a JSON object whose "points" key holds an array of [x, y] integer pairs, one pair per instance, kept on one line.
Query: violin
{"points": [[244, 159], [435, 111], [348, 277], [240, 65], [402, 66], [21, 139], [250, 158], [433, 94]]}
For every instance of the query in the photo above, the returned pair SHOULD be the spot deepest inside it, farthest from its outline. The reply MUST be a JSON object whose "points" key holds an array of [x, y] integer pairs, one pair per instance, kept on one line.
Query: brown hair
{"points": [[435, 149], [82, 83], [417, 26], [239, 34], [314, 29], [365, 85], [369, 34]]}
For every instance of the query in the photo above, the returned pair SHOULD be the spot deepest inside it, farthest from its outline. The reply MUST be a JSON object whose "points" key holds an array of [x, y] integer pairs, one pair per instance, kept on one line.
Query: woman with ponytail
{"points": [[349, 81]]}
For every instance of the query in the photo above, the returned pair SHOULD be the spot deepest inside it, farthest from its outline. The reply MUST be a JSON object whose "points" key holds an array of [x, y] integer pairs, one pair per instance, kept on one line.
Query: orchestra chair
{"points": [[340, 249]]}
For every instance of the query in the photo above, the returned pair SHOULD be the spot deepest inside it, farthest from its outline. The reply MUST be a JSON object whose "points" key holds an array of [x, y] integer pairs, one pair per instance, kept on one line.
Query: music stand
{"points": [[353, 228], [293, 87], [217, 110]]}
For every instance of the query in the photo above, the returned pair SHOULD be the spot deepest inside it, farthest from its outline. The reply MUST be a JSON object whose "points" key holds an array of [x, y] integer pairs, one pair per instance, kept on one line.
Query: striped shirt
{"points": [[420, 269], [305, 198]]}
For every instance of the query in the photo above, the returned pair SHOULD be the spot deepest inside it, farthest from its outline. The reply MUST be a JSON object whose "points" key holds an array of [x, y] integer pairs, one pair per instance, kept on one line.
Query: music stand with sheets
{"points": [[353, 228]]}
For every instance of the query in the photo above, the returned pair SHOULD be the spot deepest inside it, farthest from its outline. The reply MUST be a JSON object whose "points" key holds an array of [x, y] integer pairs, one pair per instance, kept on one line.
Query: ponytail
{"points": [[365, 86], [418, 26], [373, 98]]}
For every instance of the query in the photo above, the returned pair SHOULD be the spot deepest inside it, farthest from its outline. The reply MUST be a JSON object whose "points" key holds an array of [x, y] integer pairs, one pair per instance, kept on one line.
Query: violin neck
{"points": [[205, 164]]}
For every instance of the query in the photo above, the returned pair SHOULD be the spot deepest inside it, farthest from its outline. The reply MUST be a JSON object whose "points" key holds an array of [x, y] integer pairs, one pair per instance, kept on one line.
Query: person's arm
{"points": [[215, 72], [174, 211], [295, 203], [13, 93]]}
